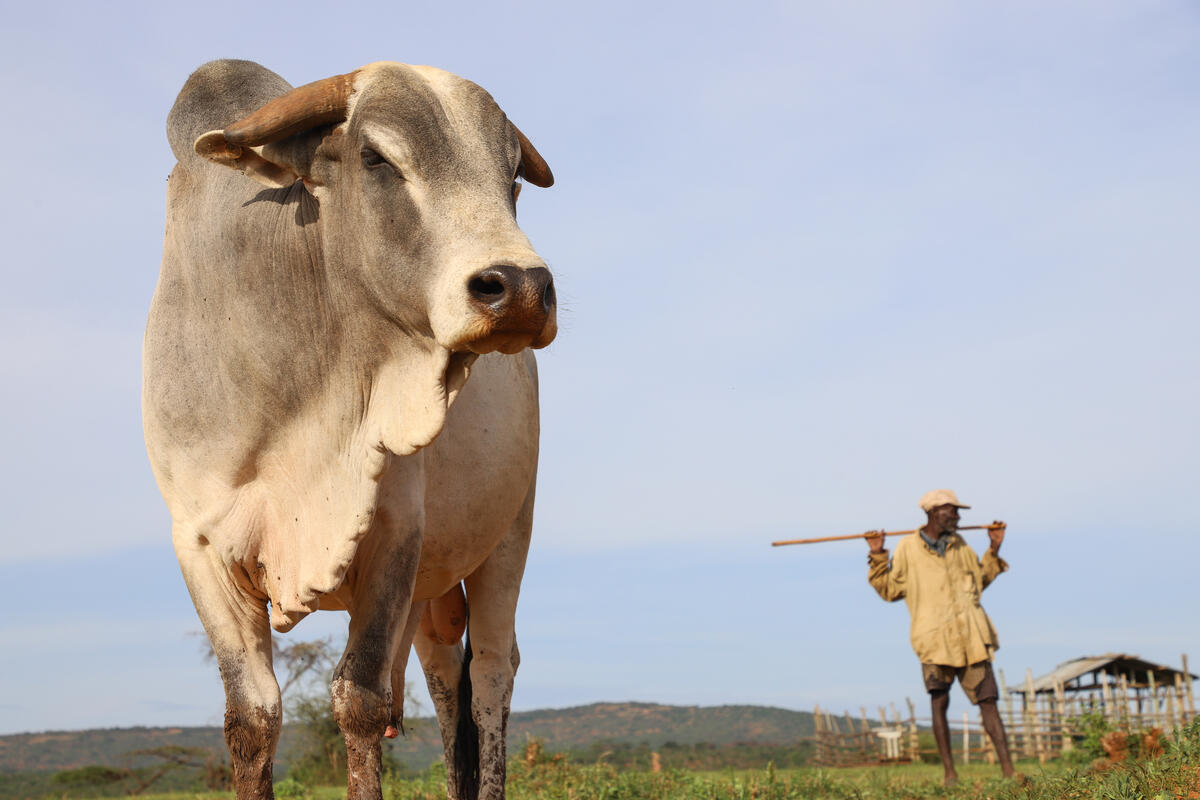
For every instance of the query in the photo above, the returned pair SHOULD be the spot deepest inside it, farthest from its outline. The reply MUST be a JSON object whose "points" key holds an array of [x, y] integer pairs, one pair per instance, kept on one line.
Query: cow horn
{"points": [[303, 108], [533, 167]]}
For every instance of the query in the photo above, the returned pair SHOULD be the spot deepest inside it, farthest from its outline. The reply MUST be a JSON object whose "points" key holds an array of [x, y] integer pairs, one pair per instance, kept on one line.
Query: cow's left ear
{"points": [[533, 167], [274, 145], [277, 165], [215, 148]]}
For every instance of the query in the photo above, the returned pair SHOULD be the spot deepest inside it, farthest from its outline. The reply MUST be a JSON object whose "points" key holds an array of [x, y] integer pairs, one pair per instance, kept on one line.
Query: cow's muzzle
{"points": [[518, 305]]}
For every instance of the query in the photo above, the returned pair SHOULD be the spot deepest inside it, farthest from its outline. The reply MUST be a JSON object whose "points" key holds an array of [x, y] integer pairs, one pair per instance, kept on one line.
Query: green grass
{"points": [[884, 783], [1174, 774]]}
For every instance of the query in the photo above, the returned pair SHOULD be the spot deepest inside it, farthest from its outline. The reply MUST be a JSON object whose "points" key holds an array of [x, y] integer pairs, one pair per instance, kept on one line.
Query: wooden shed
{"points": [[1130, 692], [1091, 676]]}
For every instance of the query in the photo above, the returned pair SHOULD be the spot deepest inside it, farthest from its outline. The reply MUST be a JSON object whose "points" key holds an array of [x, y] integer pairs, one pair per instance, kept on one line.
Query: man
{"points": [[941, 578]]}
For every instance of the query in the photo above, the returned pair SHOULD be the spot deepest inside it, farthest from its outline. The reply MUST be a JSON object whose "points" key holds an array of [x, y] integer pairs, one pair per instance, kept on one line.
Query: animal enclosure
{"points": [[1040, 716]]}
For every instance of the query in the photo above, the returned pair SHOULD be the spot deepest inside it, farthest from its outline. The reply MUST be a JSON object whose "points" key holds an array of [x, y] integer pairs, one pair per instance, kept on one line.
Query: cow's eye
{"points": [[372, 159]]}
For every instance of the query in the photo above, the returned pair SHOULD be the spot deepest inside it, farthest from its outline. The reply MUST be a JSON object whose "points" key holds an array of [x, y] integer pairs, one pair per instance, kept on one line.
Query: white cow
{"points": [[338, 258]]}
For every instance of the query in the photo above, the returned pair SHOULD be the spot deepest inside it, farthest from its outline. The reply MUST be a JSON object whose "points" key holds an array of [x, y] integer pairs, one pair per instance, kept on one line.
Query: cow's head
{"points": [[417, 173]]}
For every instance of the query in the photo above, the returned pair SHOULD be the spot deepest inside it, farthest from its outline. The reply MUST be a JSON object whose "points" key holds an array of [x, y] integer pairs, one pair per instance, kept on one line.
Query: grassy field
{"points": [[1172, 773], [977, 782]]}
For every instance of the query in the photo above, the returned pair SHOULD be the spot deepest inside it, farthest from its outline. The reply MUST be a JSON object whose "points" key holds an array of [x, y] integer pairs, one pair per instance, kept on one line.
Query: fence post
{"points": [[818, 735], [1014, 740], [966, 737], [854, 739], [1106, 697], [1064, 727], [1123, 690], [868, 745], [914, 744], [1153, 698], [1187, 679], [1033, 740], [835, 737]]}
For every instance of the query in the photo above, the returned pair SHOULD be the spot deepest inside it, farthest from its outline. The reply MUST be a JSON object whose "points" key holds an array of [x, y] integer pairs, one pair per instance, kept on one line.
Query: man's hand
{"points": [[875, 540], [996, 534]]}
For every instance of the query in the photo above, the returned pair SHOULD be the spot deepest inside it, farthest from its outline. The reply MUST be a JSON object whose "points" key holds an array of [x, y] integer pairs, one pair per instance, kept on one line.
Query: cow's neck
{"points": [[384, 375]]}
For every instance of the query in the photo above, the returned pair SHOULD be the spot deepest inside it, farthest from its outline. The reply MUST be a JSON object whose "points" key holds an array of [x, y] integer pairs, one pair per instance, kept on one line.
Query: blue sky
{"points": [[814, 260]]}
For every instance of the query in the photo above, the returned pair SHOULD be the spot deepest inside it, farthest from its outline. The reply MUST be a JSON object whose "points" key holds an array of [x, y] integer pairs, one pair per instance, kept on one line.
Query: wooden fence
{"points": [[848, 741], [1044, 724], [1039, 725]]}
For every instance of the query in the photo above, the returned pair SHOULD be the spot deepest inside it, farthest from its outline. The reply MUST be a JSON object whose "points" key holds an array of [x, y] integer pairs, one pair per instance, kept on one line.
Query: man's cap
{"points": [[940, 497]]}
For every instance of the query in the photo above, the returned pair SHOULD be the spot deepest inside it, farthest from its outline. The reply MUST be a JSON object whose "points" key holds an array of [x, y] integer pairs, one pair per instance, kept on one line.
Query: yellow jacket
{"points": [[948, 624]]}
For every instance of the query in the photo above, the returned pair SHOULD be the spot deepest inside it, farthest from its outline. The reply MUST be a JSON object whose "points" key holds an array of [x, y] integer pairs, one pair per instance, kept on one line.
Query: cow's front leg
{"points": [[382, 580], [362, 681], [237, 627]]}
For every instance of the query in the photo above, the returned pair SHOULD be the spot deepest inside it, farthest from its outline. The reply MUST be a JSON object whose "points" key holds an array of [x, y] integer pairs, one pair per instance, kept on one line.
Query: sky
{"points": [[813, 260]]}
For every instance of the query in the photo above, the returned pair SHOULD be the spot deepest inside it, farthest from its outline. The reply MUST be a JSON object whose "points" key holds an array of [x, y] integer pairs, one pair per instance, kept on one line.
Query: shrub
{"points": [[1089, 732], [291, 789], [95, 775]]}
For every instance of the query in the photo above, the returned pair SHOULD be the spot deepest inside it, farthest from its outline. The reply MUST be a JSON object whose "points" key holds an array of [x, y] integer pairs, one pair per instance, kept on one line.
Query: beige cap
{"points": [[940, 497]]}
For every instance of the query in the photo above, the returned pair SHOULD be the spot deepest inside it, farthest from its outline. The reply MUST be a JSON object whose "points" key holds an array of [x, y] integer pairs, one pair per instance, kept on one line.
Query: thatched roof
{"points": [[1072, 675]]}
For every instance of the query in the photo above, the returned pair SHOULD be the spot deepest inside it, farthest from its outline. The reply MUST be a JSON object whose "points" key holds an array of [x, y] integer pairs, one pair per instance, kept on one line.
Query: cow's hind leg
{"points": [[443, 667], [492, 597], [237, 627], [492, 657]]}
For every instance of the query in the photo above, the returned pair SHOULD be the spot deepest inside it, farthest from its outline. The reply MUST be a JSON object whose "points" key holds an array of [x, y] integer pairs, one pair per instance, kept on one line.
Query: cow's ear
{"points": [[278, 164], [533, 167], [215, 148]]}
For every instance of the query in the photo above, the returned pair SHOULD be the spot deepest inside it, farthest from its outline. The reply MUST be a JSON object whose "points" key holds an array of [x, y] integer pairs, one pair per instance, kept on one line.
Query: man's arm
{"points": [[886, 578], [992, 564]]}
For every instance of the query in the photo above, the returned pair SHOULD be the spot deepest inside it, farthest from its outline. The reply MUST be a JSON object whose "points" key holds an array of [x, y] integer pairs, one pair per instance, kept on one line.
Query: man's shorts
{"points": [[976, 680]]}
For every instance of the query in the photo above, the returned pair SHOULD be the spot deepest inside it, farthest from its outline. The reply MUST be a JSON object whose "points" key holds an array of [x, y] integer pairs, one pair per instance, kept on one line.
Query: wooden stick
{"points": [[863, 535]]}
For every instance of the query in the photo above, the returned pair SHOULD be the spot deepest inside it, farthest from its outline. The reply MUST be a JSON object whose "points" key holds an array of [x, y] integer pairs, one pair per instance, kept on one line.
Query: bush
{"points": [[95, 775], [1089, 729], [291, 789]]}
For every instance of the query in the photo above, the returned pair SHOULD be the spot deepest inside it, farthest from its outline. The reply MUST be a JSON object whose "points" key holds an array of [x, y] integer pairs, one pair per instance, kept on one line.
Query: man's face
{"points": [[943, 519]]}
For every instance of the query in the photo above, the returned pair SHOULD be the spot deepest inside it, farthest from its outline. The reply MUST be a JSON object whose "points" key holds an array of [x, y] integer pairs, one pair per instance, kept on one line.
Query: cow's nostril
{"points": [[486, 287], [548, 297]]}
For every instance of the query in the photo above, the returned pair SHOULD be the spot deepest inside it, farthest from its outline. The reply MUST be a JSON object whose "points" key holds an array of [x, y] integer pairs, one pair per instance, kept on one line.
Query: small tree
{"points": [[138, 779]]}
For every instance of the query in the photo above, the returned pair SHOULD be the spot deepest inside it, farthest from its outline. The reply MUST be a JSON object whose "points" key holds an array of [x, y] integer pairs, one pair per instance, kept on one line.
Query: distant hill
{"points": [[656, 725], [581, 728]]}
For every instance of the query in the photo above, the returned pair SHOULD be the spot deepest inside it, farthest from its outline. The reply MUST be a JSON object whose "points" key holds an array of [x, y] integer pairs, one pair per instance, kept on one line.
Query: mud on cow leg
{"points": [[236, 623], [492, 598], [362, 697], [443, 667], [472, 730], [362, 682], [363, 715], [251, 734], [491, 694]]}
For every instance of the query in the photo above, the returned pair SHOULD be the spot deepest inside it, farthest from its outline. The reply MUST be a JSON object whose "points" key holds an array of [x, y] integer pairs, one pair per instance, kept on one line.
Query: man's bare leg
{"points": [[995, 730], [940, 701]]}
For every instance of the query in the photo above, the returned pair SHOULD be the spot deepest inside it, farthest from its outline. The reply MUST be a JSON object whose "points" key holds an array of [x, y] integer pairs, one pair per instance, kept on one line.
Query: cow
{"points": [[338, 259]]}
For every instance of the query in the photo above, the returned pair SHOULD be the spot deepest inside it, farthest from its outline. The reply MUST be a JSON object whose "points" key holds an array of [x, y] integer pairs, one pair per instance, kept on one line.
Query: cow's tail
{"points": [[466, 735]]}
